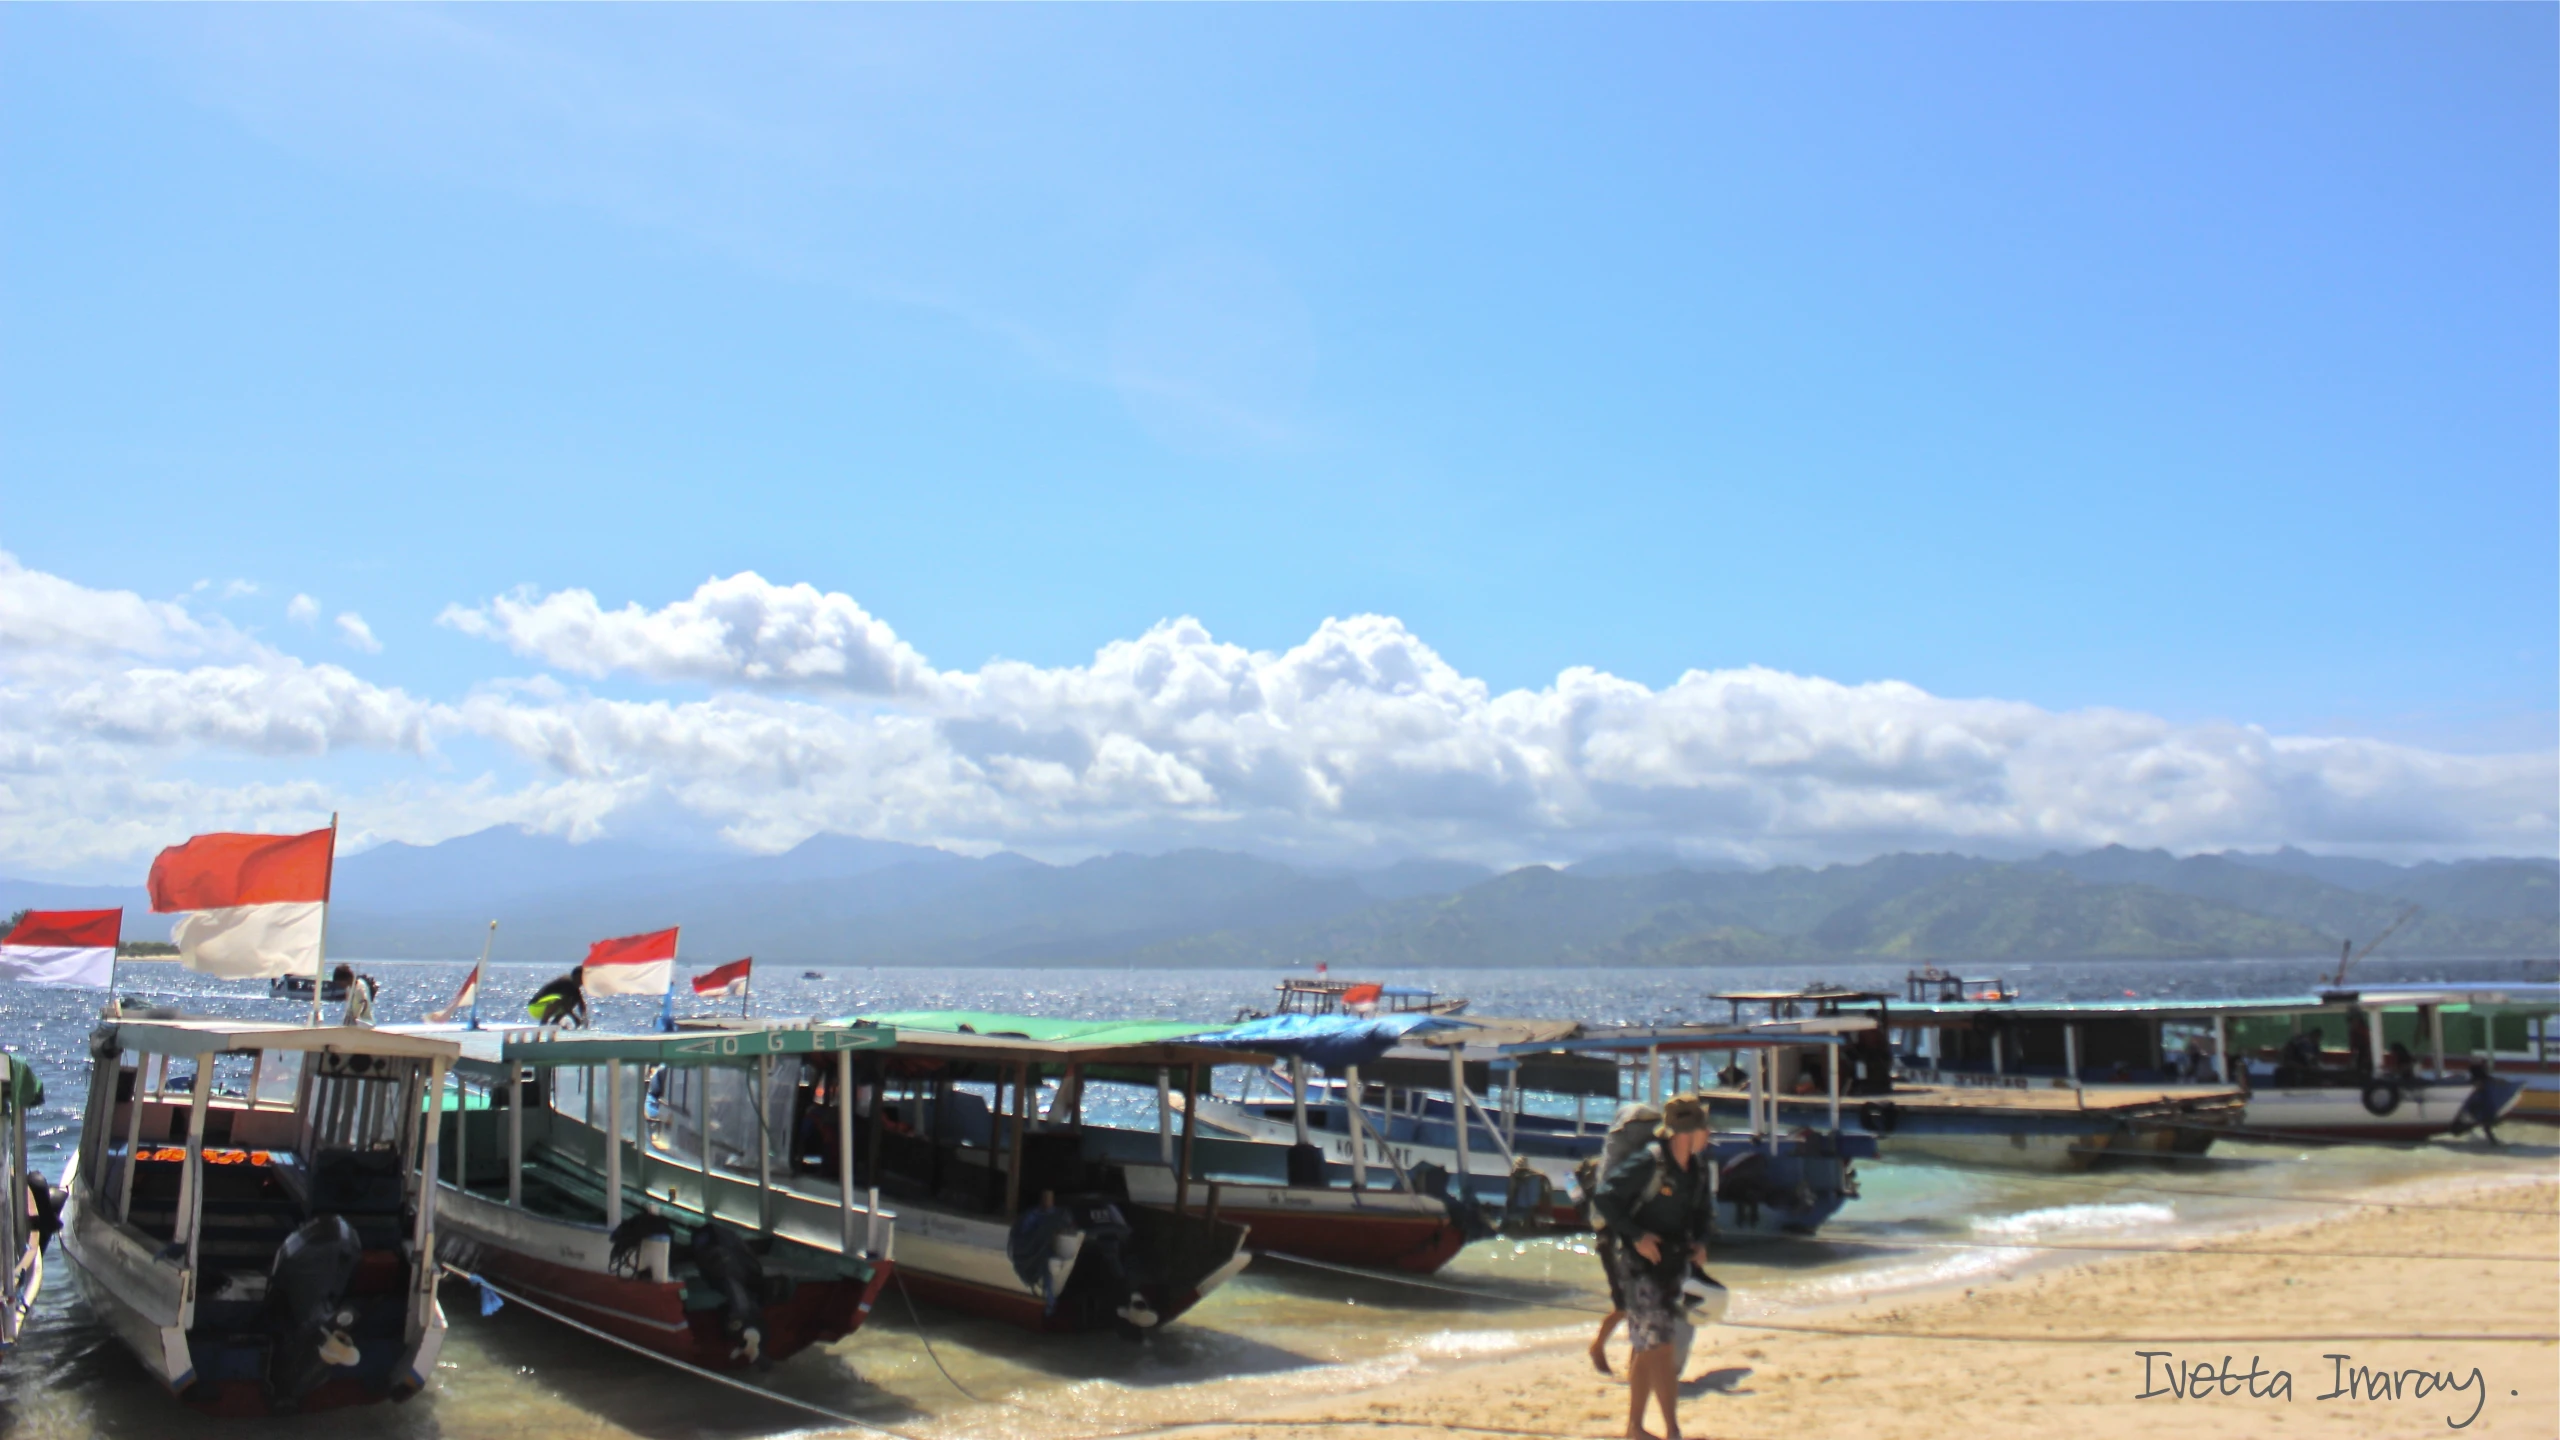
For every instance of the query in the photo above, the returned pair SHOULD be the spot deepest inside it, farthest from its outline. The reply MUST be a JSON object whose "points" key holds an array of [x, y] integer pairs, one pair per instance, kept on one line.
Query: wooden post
{"points": [[702, 1131], [2222, 1048], [1164, 1114], [1351, 1109], [1832, 1072], [1190, 1134], [764, 1145], [1754, 1073], [844, 1148], [1653, 1075], [1021, 1134], [515, 1132], [1458, 1113], [2071, 1057], [189, 1182], [422, 1241], [2435, 1037], [613, 1145], [133, 1135], [461, 1128]]}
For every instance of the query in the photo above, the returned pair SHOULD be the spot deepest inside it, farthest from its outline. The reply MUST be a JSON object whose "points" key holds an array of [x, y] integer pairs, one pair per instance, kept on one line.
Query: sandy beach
{"points": [[2048, 1375]]}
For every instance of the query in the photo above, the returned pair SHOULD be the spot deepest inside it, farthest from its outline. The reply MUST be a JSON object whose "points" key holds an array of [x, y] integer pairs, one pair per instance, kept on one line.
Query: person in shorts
{"points": [[1656, 1206]]}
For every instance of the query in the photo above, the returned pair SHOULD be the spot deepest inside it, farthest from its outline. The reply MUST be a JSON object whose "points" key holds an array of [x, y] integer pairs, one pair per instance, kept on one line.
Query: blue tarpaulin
{"points": [[1332, 1041]]}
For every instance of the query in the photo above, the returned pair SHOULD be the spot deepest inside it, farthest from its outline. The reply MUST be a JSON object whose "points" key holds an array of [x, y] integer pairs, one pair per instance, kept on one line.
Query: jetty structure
{"points": [[252, 1208], [564, 1178]]}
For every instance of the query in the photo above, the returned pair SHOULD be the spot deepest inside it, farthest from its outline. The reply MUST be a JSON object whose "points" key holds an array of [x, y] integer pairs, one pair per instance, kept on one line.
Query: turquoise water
{"points": [[1277, 1330]]}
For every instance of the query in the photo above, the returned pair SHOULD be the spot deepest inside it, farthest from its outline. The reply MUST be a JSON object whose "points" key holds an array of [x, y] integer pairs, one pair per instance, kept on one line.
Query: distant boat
{"points": [[811, 975], [1319, 996], [298, 987]]}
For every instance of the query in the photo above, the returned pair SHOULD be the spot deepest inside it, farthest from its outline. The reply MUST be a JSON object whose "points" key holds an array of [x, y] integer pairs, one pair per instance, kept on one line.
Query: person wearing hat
{"points": [[1657, 1207]]}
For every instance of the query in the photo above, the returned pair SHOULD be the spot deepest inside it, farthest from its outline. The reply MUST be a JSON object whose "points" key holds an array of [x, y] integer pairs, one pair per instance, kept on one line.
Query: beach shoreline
{"points": [[2087, 1345]]}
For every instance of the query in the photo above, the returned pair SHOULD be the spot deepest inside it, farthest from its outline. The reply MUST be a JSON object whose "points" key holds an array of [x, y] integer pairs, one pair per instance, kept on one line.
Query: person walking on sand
{"points": [[1656, 1204]]}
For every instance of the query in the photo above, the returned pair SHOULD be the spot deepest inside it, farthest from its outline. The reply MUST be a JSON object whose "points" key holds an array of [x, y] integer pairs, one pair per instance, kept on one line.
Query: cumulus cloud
{"points": [[743, 630], [1361, 742], [302, 610], [353, 630]]}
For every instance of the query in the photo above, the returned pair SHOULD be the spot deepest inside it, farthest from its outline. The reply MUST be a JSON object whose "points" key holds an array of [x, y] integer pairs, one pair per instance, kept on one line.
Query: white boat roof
{"points": [[203, 1034]]}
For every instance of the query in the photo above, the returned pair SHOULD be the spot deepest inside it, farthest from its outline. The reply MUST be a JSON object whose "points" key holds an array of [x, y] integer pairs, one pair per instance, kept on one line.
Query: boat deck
{"points": [[2041, 1095]]}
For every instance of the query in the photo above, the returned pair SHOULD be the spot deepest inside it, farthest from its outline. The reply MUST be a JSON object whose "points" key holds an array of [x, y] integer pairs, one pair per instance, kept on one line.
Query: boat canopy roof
{"points": [[1816, 995], [1332, 1041], [201, 1035], [2451, 998], [1619, 1039], [999, 1041], [552, 1046]]}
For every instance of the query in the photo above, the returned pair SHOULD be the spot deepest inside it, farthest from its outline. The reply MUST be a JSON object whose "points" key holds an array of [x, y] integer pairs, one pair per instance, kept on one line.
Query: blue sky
{"points": [[2192, 361]]}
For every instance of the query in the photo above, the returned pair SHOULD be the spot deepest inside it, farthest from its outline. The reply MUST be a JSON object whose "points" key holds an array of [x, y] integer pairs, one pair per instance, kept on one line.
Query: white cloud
{"points": [[742, 630], [233, 590], [302, 610], [125, 721], [353, 630], [45, 616]]}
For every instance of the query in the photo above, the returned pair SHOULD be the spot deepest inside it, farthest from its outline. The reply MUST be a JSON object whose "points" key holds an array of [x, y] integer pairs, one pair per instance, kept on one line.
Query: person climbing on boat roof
{"points": [[562, 1002], [1658, 1206]]}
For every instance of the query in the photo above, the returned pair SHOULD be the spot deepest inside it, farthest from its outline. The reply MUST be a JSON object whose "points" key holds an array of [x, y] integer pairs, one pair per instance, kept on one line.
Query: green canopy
{"points": [[25, 1089]]}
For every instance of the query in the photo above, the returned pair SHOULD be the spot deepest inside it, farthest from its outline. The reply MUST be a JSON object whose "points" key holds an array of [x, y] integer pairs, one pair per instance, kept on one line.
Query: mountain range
{"points": [[840, 900]]}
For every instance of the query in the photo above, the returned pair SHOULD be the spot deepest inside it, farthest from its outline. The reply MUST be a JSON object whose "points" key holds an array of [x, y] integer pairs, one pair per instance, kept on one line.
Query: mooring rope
{"points": [[714, 1376]]}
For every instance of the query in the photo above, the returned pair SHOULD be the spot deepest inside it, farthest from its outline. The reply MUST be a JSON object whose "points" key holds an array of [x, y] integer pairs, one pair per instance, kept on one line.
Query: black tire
{"points": [[1879, 1116], [2381, 1097]]}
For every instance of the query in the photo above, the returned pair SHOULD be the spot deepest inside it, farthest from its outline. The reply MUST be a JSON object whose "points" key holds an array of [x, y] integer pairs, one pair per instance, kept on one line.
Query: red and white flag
{"points": [[463, 1000], [259, 901], [62, 947], [632, 965], [729, 979]]}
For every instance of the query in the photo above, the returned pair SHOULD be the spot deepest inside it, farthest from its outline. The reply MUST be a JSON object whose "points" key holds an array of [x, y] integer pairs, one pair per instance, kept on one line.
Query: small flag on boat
{"points": [[632, 965], [462, 1000], [729, 979], [1362, 997], [62, 947], [259, 901]]}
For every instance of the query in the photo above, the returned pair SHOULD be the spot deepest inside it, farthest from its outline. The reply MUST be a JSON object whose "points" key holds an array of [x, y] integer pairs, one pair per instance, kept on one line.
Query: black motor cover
{"points": [[731, 1270], [306, 1294]]}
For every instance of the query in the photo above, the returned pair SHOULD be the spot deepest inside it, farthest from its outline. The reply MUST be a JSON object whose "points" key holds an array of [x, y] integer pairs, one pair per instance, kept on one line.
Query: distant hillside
{"points": [[843, 900]]}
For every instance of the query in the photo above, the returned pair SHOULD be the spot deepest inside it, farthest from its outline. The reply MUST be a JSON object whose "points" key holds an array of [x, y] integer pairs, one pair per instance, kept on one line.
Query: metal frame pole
{"points": [[1458, 1114], [515, 1132], [764, 1145], [613, 1146], [844, 1149]]}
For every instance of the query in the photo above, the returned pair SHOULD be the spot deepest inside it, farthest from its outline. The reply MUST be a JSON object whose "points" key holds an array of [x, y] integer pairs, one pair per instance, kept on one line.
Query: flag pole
{"points": [[114, 959], [320, 979], [747, 991], [480, 972]]}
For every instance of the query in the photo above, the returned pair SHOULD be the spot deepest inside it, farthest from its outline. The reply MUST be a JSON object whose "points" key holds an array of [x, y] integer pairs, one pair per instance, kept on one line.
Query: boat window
{"points": [[232, 1072], [279, 1077]]}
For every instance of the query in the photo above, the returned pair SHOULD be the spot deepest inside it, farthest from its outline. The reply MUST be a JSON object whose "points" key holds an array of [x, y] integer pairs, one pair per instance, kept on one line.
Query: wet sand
{"points": [[1916, 1380]]}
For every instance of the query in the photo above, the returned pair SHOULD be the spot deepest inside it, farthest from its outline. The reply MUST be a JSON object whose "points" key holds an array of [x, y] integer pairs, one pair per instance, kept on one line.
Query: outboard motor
{"points": [[306, 1300], [730, 1268], [44, 1209]]}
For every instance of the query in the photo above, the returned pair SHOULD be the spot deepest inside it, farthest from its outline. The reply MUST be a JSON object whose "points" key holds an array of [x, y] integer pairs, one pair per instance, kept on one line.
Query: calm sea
{"points": [[1274, 1332]]}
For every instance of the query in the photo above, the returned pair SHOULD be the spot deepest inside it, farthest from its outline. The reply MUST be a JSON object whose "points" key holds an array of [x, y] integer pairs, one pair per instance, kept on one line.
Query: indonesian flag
{"points": [[62, 947], [259, 901], [462, 1000], [1362, 997], [729, 979], [632, 965]]}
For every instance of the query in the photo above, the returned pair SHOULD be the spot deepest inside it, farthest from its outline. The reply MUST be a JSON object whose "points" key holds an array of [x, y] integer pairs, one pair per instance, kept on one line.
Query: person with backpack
{"points": [[1656, 1204], [1630, 1131]]}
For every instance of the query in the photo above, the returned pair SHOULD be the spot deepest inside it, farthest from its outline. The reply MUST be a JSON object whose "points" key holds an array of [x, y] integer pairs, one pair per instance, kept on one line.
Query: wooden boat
{"points": [[554, 1187], [30, 1216], [252, 1209], [1317, 995], [968, 1177], [2003, 1115], [2318, 1066], [1516, 1150]]}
